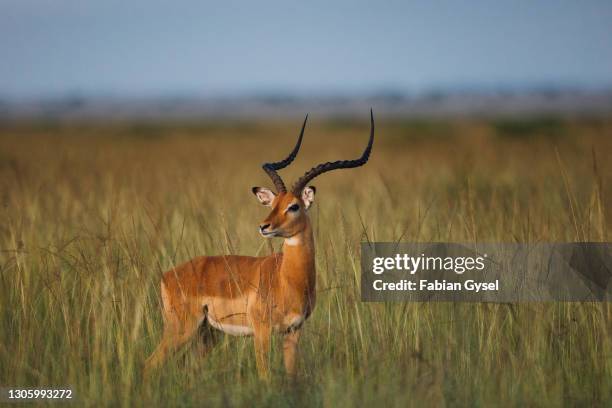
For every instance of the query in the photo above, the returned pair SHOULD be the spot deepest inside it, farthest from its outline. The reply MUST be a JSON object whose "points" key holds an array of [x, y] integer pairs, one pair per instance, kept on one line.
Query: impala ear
{"points": [[308, 194], [264, 195]]}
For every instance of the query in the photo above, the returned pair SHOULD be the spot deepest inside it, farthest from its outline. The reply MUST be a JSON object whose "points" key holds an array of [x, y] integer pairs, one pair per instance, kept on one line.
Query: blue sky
{"points": [[150, 47]]}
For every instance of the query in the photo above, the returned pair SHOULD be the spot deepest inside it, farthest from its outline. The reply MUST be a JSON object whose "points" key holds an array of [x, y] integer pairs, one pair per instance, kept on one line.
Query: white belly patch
{"points": [[294, 321], [231, 329]]}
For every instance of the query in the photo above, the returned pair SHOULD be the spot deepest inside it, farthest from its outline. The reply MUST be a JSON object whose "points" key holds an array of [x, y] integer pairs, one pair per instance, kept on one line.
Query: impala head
{"points": [[288, 216]]}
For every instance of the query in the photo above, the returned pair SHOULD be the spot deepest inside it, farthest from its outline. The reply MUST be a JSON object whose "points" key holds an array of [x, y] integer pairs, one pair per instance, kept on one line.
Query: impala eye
{"points": [[293, 207]]}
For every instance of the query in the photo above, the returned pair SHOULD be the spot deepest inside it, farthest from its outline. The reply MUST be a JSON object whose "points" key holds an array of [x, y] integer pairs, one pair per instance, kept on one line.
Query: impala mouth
{"points": [[268, 234]]}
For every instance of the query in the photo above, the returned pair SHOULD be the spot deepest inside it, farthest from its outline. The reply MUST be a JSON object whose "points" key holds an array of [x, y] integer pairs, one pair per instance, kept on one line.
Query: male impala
{"points": [[244, 295]]}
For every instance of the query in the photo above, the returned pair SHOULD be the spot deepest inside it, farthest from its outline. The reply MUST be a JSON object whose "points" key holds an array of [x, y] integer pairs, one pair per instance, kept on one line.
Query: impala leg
{"points": [[158, 356], [208, 339], [177, 331], [290, 345], [262, 351]]}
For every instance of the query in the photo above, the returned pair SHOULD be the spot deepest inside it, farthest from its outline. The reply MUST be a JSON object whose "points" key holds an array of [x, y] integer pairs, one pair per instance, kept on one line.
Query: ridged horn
{"points": [[340, 164], [271, 168]]}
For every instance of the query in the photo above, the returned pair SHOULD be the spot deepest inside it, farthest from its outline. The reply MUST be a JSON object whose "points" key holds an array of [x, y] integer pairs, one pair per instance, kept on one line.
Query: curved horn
{"points": [[340, 164], [271, 168]]}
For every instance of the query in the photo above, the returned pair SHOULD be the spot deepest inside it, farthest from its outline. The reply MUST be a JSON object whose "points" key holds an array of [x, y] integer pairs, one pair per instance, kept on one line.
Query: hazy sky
{"points": [[150, 47]]}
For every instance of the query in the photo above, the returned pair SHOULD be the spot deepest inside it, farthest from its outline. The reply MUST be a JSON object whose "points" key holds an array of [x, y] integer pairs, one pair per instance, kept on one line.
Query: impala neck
{"points": [[298, 256]]}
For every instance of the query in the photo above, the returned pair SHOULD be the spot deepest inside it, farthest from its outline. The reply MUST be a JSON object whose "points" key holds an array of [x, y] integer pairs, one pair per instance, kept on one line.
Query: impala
{"points": [[245, 295]]}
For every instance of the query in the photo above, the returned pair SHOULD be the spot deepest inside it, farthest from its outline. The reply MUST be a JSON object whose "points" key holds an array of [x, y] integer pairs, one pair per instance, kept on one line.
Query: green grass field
{"points": [[92, 214]]}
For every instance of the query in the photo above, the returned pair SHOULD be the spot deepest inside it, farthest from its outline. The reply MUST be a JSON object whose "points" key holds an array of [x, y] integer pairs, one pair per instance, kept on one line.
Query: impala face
{"points": [[288, 215]]}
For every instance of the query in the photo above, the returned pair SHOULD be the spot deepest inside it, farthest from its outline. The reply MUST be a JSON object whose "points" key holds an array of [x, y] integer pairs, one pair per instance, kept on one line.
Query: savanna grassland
{"points": [[92, 214]]}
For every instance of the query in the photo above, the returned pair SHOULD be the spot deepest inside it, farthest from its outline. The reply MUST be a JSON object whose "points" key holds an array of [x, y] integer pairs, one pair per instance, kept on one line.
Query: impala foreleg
{"points": [[261, 335], [290, 345]]}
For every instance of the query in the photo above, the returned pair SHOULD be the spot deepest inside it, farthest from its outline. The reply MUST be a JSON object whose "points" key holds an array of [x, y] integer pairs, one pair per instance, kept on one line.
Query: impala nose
{"points": [[263, 227]]}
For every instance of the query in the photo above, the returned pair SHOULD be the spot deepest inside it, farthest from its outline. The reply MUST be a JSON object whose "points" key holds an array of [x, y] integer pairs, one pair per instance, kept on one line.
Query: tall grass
{"points": [[91, 215]]}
